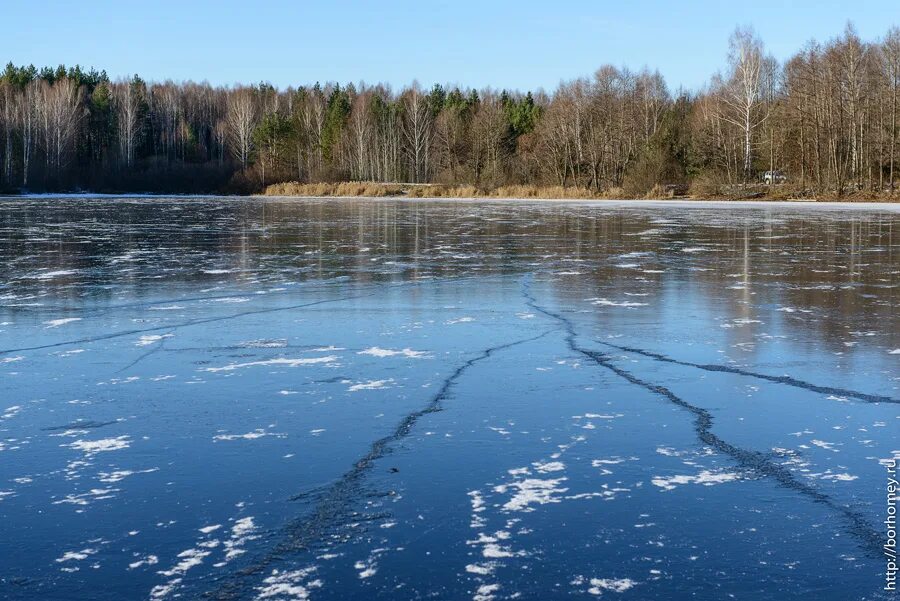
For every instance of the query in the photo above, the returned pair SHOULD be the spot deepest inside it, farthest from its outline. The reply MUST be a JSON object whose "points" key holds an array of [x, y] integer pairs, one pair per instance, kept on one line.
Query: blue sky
{"points": [[518, 45]]}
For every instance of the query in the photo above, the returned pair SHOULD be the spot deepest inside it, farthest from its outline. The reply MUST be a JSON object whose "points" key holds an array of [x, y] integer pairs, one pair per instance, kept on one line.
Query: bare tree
{"points": [[240, 120], [417, 129], [741, 91], [360, 137], [167, 101], [26, 116], [59, 109], [891, 61], [127, 101], [7, 115]]}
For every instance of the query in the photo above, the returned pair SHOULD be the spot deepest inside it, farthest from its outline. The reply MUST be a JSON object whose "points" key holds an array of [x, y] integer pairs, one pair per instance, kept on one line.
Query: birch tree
{"points": [[240, 120], [26, 117], [7, 117], [60, 114], [417, 129], [891, 62], [741, 91], [127, 99]]}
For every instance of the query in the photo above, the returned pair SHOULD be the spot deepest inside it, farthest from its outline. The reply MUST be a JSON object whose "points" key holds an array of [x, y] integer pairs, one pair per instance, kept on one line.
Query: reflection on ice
{"points": [[273, 399]]}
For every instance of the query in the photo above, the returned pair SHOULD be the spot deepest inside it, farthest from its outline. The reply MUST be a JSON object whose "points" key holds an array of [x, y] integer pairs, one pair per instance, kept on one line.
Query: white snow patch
{"points": [[482, 569], [620, 585], [370, 385], [839, 477], [549, 466], [279, 361], [605, 302], [381, 352], [103, 445], [258, 433], [119, 475], [149, 560], [151, 339], [828, 446], [76, 555], [55, 323], [95, 494], [486, 592], [450, 322], [189, 559], [531, 491], [705, 477], [288, 586]]}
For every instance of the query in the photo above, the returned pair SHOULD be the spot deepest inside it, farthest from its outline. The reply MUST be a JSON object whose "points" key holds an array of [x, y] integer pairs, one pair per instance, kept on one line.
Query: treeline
{"points": [[827, 119]]}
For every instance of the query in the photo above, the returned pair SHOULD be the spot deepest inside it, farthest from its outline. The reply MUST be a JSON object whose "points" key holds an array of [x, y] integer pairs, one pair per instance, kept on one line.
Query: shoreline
{"points": [[893, 206], [883, 205]]}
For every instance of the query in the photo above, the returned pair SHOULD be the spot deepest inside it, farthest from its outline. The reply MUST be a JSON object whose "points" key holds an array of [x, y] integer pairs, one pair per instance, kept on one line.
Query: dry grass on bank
{"points": [[334, 189], [536, 192], [431, 191], [700, 190]]}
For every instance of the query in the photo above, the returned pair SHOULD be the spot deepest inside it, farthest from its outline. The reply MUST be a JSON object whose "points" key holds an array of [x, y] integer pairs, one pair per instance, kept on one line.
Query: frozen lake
{"points": [[288, 399]]}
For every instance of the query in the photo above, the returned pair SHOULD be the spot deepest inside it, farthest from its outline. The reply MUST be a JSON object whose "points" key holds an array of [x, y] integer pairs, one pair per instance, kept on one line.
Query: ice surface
{"points": [[288, 400]]}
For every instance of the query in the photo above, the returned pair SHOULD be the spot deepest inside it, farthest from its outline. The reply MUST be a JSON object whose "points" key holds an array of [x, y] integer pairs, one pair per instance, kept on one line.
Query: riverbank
{"points": [[437, 191]]}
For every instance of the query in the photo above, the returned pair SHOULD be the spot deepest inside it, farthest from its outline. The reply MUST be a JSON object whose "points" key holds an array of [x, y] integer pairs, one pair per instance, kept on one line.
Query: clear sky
{"points": [[524, 44]]}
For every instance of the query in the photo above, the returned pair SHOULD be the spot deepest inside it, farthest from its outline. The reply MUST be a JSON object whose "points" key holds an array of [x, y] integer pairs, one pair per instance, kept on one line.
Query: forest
{"points": [[822, 124]]}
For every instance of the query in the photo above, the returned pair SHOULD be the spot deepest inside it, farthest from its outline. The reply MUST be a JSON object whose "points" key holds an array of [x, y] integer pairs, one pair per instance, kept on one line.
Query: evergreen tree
{"points": [[336, 114], [272, 139]]}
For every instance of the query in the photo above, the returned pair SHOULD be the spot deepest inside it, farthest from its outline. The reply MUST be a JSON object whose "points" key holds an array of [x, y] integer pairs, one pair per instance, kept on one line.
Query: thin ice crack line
{"points": [[305, 286], [343, 490], [193, 322], [752, 461], [334, 503], [155, 348], [311, 286], [186, 324], [786, 380]]}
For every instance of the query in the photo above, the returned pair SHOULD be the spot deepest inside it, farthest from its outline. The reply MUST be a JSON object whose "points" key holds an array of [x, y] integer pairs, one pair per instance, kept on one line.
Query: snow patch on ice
{"points": [[258, 433], [76, 555], [605, 302], [705, 477], [149, 560], [549, 466], [486, 592], [116, 476], [371, 385], [151, 339], [55, 323], [381, 352], [531, 491], [90, 447], [620, 585], [279, 361], [450, 322], [288, 586]]}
